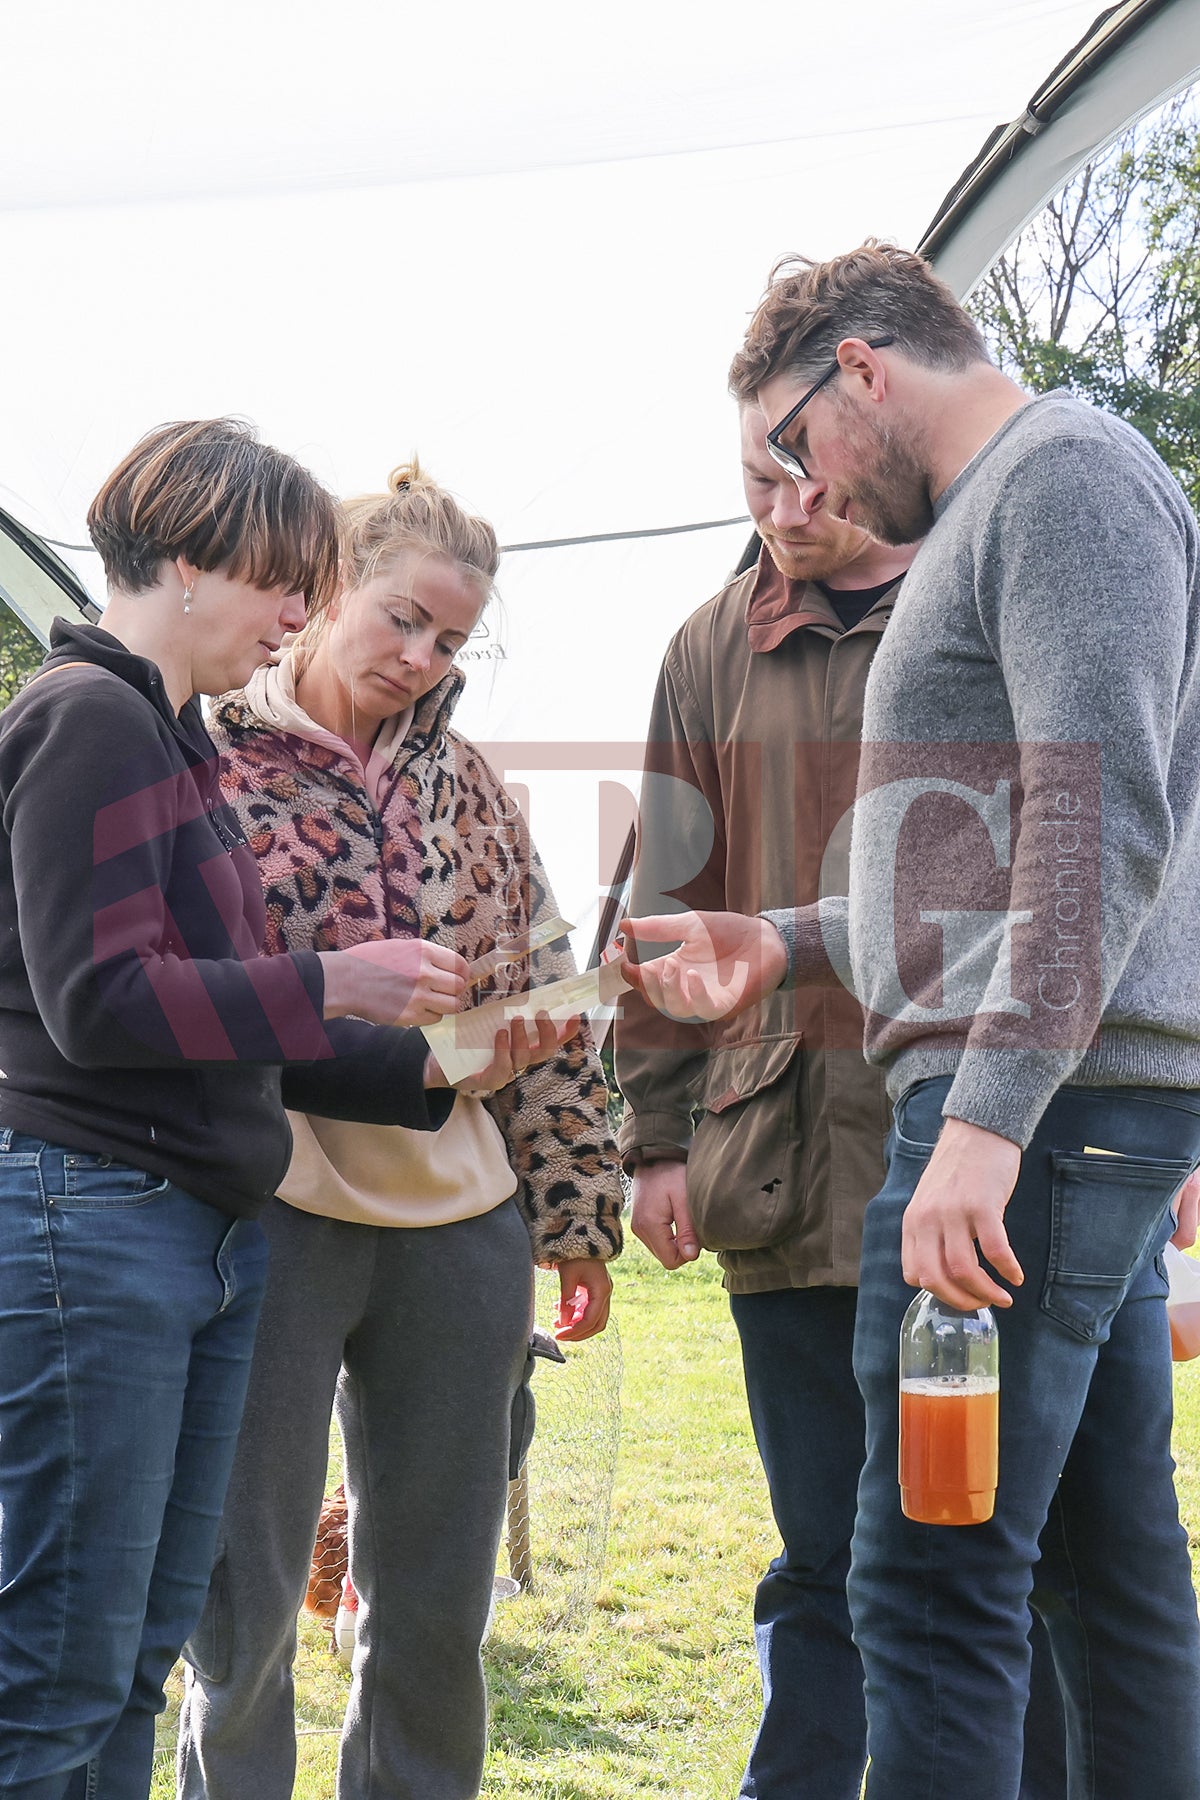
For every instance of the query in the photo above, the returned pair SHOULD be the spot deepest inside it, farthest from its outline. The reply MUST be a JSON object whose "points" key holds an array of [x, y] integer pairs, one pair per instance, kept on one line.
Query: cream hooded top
{"points": [[382, 1174]]}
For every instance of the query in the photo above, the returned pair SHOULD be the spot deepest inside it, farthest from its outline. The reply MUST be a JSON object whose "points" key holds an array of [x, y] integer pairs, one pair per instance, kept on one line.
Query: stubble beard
{"points": [[891, 496], [816, 561]]}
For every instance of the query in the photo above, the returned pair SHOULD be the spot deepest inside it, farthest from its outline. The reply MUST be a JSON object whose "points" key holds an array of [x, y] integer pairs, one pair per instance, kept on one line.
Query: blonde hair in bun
{"points": [[415, 513]]}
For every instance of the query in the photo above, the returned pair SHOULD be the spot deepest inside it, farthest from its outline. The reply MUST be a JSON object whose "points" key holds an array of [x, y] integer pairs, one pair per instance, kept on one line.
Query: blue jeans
{"points": [[127, 1315], [808, 1424], [941, 1614], [807, 1413]]}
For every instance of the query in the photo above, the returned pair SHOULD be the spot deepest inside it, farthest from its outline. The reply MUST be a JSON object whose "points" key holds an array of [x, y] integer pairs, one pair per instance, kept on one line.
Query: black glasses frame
{"points": [[787, 459]]}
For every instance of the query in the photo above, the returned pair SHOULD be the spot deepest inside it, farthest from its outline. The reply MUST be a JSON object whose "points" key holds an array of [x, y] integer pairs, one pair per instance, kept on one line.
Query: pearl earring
{"points": [[187, 596]]}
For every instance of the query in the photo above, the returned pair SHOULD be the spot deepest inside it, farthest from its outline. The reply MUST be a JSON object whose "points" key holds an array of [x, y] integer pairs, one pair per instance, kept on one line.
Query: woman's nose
{"points": [[293, 613], [418, 651]]}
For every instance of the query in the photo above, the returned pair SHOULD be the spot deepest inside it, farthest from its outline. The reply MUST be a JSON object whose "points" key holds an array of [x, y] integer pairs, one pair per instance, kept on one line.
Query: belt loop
{"points": [[5, 1137]]}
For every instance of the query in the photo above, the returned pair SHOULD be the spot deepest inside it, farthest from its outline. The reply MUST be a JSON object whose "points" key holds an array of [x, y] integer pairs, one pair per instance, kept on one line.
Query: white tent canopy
{"points": [[524, 241]]}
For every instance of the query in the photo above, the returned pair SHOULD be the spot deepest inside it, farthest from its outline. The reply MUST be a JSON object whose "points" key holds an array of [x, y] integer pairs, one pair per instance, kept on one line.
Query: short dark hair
{"points": [[207, 489], [875, 291]]}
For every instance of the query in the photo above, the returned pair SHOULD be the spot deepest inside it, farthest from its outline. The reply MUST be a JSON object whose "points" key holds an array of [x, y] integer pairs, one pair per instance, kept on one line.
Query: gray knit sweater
{"points": [[1025, 858]]}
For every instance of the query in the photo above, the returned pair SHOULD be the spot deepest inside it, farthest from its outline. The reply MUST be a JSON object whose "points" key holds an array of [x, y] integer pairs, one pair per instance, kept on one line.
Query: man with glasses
{"points": [[753, 746], [1020, 930], [789, 459]]}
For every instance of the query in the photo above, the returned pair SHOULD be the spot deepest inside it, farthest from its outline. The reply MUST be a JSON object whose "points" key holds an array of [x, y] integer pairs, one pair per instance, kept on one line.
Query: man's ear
{"points": [[864, 373]]}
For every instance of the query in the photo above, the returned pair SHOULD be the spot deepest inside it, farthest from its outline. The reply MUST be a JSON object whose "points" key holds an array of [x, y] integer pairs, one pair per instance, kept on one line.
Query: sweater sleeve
{"points": [[817, 941], [116, 883], [554, 1117], [555, 1123], [376, 1076], [1085, 605]]}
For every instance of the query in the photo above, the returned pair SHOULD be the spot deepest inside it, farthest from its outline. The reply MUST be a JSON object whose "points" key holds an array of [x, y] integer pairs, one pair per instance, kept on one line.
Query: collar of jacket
{"points": [[90, 643], [431, 717], [430, 723], [777, 606]]}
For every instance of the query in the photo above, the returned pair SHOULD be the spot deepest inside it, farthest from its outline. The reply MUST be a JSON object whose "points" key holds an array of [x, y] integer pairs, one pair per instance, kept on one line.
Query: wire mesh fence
{"points": [[558, 1509]]}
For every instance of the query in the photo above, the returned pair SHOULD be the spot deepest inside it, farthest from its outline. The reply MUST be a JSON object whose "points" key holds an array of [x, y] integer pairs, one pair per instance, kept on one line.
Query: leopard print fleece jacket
{"points": [[445, 855]]}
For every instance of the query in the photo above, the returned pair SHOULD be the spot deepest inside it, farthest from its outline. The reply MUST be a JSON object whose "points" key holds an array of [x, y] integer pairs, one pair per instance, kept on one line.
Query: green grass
{"points": [[655, 1694]]}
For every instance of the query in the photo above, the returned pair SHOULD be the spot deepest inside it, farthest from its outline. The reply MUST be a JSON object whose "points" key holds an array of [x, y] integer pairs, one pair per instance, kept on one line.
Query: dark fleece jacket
{"points": [[138, 1017]]}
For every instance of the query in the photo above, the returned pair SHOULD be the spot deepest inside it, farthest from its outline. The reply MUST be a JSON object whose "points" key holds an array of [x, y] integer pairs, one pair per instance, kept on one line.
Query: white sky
{"points": [[524, 240]]}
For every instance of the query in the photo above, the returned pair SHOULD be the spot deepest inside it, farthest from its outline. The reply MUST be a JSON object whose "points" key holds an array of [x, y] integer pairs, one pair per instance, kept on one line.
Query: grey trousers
{"points": [[428, 1330]]}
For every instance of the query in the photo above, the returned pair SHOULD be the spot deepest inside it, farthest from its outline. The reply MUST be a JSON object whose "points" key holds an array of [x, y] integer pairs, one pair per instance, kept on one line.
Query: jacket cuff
{"points": [[584, 1241], [654, 1137]]}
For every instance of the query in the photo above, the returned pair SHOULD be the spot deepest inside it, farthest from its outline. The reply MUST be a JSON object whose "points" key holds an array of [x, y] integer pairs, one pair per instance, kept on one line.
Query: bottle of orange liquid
{"points": [[949, 1413]]}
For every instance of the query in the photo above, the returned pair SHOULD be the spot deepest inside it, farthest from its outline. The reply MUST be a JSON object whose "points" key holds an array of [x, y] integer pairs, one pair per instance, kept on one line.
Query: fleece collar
{"points": [[70, 642], [269, 702]]}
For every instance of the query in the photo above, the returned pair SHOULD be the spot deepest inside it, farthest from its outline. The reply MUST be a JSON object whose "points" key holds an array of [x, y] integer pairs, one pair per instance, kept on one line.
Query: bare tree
{"points": [[20, 654], [1100, 294]]}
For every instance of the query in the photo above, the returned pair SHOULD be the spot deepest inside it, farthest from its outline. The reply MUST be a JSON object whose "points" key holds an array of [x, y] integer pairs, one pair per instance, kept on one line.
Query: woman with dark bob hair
{"points": [[148, 1050]]}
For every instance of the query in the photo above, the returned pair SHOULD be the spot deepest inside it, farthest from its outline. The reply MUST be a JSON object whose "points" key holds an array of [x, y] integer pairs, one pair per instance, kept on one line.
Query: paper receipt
{"points": [[463, 1042], [509, 949]]}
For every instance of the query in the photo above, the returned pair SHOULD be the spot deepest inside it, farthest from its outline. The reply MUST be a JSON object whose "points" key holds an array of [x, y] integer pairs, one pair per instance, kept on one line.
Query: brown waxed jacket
{"points": [[751, 762]]}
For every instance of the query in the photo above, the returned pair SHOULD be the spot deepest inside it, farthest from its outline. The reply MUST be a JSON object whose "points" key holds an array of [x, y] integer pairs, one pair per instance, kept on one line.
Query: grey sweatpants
{"points": [[429, 1329]]}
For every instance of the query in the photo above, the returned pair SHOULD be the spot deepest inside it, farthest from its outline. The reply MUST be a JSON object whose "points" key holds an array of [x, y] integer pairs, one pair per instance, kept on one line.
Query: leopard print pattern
{"points": [[445, 856]]}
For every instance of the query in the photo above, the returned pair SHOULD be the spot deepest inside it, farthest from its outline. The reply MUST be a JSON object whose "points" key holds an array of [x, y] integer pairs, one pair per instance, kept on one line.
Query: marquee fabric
{"points": [[522, 241]]}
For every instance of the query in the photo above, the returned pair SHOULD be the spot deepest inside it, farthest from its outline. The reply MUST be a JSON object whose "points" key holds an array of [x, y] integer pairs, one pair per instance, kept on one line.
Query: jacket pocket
{"points": [[1107, 1214], [744, 1186]]}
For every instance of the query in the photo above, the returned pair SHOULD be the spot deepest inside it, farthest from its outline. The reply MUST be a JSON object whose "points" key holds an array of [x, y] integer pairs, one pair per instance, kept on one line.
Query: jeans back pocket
{"points": [[1107, 1214]]}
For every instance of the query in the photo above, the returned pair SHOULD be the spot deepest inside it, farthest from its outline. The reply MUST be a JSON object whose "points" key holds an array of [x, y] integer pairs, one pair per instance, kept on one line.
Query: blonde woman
{"points": [[401, 1269]]}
